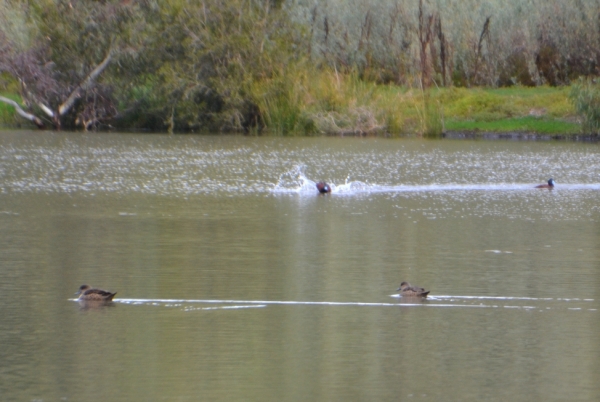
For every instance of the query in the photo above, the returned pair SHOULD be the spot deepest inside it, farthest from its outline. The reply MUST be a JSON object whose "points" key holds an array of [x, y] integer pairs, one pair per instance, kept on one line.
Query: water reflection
{"points": [[95, 304]]}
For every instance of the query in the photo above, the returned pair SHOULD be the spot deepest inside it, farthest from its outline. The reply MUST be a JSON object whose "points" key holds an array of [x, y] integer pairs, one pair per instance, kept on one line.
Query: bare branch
{"points": [[36, 120], [87, 83], [35, 100]]}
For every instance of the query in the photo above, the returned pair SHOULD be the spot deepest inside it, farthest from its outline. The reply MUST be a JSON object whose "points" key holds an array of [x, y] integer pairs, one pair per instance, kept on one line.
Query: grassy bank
{"points": [[541, 110], [333, 104], [328, 103]]}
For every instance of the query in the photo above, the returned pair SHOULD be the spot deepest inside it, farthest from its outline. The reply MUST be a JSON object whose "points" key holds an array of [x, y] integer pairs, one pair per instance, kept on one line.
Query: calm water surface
{"points": [[237, 282]]}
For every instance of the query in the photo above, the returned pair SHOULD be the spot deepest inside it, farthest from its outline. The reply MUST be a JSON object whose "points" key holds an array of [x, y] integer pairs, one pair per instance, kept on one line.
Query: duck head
{"points": [[82, 289]]}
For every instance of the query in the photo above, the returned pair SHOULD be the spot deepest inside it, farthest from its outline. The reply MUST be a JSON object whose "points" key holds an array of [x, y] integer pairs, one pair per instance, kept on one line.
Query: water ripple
{"points": [[434, 301]]}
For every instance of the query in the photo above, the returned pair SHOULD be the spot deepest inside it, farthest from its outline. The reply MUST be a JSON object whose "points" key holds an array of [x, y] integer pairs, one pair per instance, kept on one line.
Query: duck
{"points": [[550, 184], [323, 187], [86, 293], [407, 290]]}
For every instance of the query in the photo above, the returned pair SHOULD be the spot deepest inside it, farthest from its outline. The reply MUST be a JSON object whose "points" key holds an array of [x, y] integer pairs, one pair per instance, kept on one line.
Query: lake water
{"points": [[236, 281]]}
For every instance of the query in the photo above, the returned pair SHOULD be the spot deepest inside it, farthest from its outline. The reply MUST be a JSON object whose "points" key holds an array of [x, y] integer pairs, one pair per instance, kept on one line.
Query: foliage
{"points": [[227, 48], [290, 67]]}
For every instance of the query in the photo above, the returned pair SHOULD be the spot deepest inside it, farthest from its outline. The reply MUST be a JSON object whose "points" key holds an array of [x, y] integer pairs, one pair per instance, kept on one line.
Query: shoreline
{"points": [[518, 136], [449, 134]]}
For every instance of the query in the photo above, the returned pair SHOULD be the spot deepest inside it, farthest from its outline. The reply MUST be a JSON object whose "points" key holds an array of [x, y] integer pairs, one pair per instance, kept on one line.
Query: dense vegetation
{"points": [[293, 66]]}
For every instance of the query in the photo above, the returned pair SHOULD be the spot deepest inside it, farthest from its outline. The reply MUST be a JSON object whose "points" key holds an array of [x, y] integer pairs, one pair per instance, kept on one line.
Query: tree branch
{"points": [[35, 100], [87, 83], [36, 120]]}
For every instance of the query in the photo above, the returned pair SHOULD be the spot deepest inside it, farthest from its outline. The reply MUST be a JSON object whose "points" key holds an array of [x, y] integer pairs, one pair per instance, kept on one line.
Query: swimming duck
{"points": [[407, 290], [549, 185], [86, 292], [323, 187]]}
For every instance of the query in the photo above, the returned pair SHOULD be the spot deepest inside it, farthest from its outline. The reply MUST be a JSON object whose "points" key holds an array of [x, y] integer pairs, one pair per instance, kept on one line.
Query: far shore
{"points": [[517, 113]]}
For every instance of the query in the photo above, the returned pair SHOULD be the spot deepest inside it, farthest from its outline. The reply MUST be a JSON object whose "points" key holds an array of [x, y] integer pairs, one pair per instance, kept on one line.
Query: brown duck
{"points": [[407, 290], [86, 293]]}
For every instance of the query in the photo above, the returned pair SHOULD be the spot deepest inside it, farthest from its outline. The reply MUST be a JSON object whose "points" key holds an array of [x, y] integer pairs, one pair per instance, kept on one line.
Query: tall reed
{"points": [[585, 96]]}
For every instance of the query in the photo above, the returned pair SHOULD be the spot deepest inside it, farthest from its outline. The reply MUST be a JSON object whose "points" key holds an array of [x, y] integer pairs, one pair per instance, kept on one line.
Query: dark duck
{"points": [[323, 187], [550, 184]]}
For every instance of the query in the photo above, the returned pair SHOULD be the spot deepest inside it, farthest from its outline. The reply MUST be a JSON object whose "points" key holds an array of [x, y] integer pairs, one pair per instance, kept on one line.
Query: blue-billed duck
{"points": [[550, 184], [407, 290], [323, 187], [86, 292]]}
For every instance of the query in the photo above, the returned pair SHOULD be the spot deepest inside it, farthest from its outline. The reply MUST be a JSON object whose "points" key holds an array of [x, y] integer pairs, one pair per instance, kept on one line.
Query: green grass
{"points": [[528, 124], [7, 112], [493, 104], [543, 110]]}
